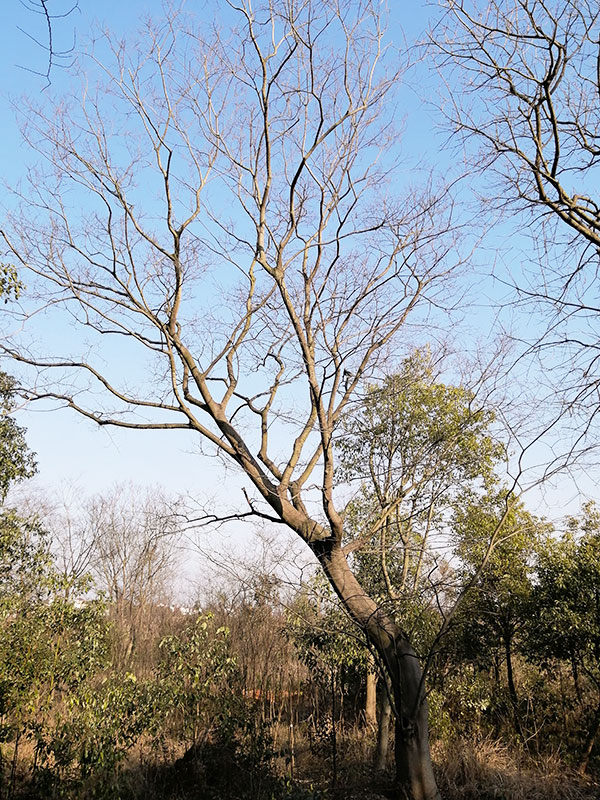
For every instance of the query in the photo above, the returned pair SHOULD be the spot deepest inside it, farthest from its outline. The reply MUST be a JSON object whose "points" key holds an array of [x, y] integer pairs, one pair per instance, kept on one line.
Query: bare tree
{"points": [[61, 512], [130, 531], [221, 210], [123, 543], [131, 539], [523, 82]]}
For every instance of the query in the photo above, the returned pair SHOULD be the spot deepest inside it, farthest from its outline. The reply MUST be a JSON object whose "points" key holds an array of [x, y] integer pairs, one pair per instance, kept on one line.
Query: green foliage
{"points": [[193, 663], [566, 599], [459, 708], [16, 461], [413, 445], [499, 602], [411, 433], [418, 449], [102, 720], [61, 692], [48, 650], [322, 634], [24, 562]]}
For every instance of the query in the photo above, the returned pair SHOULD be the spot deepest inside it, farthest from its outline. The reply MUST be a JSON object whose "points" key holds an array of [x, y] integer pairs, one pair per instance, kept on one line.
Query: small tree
{"points": [[193, 662], [414, 447], [499, 604], [130, 535], [566, 610], [419, 452]]}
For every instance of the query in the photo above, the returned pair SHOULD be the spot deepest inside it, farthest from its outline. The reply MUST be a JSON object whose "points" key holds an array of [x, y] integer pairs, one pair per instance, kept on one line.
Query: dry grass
{"points": [[467, 770], [488, 770]]}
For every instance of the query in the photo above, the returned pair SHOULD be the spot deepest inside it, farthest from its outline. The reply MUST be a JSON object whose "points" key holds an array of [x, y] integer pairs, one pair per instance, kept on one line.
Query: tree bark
{"points": [[414, 771], [371, 699], [512, 690], [383, 729]]}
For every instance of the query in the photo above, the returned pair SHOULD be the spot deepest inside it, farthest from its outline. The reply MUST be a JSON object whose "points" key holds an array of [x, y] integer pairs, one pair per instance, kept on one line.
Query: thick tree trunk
{"points": [[414, 772]]}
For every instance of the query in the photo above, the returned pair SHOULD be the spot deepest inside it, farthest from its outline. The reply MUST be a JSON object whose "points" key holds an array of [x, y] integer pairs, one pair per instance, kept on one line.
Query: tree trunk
{"points": [[383, 729], [371, 699], [510, 679], [414, 772], [575, 673]]}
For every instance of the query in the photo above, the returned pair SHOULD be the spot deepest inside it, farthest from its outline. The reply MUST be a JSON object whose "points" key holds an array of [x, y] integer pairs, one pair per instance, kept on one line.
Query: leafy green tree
{"points": [[50, 650], [498, 605], [566, 612], [16, 460], [194, 662], [414, 449], [413, 446]]}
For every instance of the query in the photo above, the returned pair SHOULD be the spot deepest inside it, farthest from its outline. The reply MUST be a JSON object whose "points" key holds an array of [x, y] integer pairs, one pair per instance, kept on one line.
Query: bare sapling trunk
{"points": [[510, 680], [383, 728], [371, 695]]}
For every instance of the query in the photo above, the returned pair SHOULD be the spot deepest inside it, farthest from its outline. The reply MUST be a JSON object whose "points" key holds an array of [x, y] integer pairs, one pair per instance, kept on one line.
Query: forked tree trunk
{"points": [[414, 772]]}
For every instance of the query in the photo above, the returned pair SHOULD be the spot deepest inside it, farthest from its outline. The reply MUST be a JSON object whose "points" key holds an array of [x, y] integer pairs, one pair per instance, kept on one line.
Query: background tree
{"points": [[565, 622], [413, 446], [499, 605], [130, 537]]}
